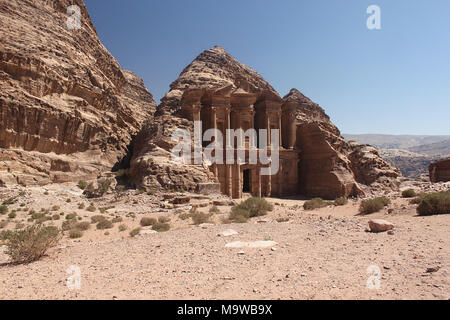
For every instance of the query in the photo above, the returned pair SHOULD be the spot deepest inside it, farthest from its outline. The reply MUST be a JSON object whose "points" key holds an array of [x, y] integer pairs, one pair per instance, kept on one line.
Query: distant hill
{"points": [[383, 141], [411, 154], [441, 148]]}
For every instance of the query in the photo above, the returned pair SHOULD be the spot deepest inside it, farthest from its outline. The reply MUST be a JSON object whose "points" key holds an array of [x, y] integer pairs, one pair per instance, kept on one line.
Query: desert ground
{"points": [[327, 253]]}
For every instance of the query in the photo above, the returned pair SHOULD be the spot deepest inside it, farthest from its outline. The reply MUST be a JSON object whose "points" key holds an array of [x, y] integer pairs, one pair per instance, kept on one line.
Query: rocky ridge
{"points": [[67, 109]]}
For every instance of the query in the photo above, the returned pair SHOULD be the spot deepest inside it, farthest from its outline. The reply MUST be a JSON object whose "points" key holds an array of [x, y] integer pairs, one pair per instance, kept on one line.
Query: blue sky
{"points": [[395, 80]]}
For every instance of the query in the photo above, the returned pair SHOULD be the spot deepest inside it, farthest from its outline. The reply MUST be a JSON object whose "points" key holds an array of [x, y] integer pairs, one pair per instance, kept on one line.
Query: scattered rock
{"points": [[379, 225], [255, 244], [228, 233], [433, 269]]}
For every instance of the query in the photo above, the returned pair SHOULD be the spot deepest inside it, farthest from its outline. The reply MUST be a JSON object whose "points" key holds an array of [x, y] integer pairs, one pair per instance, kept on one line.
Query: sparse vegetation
{"points": [[252, 207], [340, 201], [12, 215], [91, 208], [55, 208], [9, 201], [75, 234], [30, 244], [56, 217], [200, 217], [69, 224], [434, 203], [3, 224], [81, 206], [102, 187], [135, 232], [280, 220], [82, 184], [146, 221], [71, 216], [315, 203], [161, 227], [123, 227], [83, 226], [410, 193], [104, 224], [163, 219], [3, 209], [117, 220], [373, 205], [214, 210]]}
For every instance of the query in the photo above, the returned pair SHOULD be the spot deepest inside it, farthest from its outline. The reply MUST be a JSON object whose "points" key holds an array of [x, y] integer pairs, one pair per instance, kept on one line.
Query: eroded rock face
{"points": [[440, 171], [67, 109], [329, 166]]}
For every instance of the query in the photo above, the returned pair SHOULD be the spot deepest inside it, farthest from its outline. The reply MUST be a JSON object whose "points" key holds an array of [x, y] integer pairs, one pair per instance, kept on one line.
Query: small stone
{"points": [[433, 269], [390, 232], [241, 253], [379, 225], [228, 233]]}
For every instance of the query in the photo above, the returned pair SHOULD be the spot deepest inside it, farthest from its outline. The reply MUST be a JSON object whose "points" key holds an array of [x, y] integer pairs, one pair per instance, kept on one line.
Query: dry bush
{"points": [[200, 217], [123, 227], [255, 207], [340, 201], [163, 219], [135, 232], [3, 209], [75, 234], [373, 205], [410, 193], [30, 244], [435, 203], [315, 203], [104, 224], [82, 226], [161, 227], [97, 218], [146, 221]]}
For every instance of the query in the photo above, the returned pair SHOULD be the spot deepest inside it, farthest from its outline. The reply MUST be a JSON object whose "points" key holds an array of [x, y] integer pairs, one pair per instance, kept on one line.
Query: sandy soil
{"points": [[321, 254]]}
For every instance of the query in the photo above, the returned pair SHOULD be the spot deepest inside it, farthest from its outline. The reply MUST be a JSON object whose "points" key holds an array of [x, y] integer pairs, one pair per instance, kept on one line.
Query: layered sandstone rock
{"points": [[440, 171], [67, 109], [330, 166]]}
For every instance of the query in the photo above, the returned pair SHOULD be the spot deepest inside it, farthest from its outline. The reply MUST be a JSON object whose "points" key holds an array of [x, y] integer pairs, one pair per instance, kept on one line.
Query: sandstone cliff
{"points": [[67, 109], [329, 166], [440, 170]]}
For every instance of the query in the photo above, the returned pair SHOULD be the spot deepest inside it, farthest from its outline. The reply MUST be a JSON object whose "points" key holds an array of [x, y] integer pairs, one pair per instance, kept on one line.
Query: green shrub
{"points": [[161, 227], [435, 203], [81, 206], [9, 201], [239, 216], [3, 209], [163, 219], [410, 193], [340, 201], [82, 184], [254, 206], [55, 208], [103, 187], [315, 203], [200, 217], [145, 222], [104, 224], [214, 210], [117, 220], [75, 234], [91, 208], [5, 234], [31, 243], [373, 205], [37, 215], [83, 226], [56, 217], [12, 215], [69, 224], [71, 216], [135, 232]]}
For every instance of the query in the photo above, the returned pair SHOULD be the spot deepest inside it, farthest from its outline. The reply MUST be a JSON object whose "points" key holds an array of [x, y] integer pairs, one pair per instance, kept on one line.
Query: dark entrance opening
{"points": [[246, 184]]}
